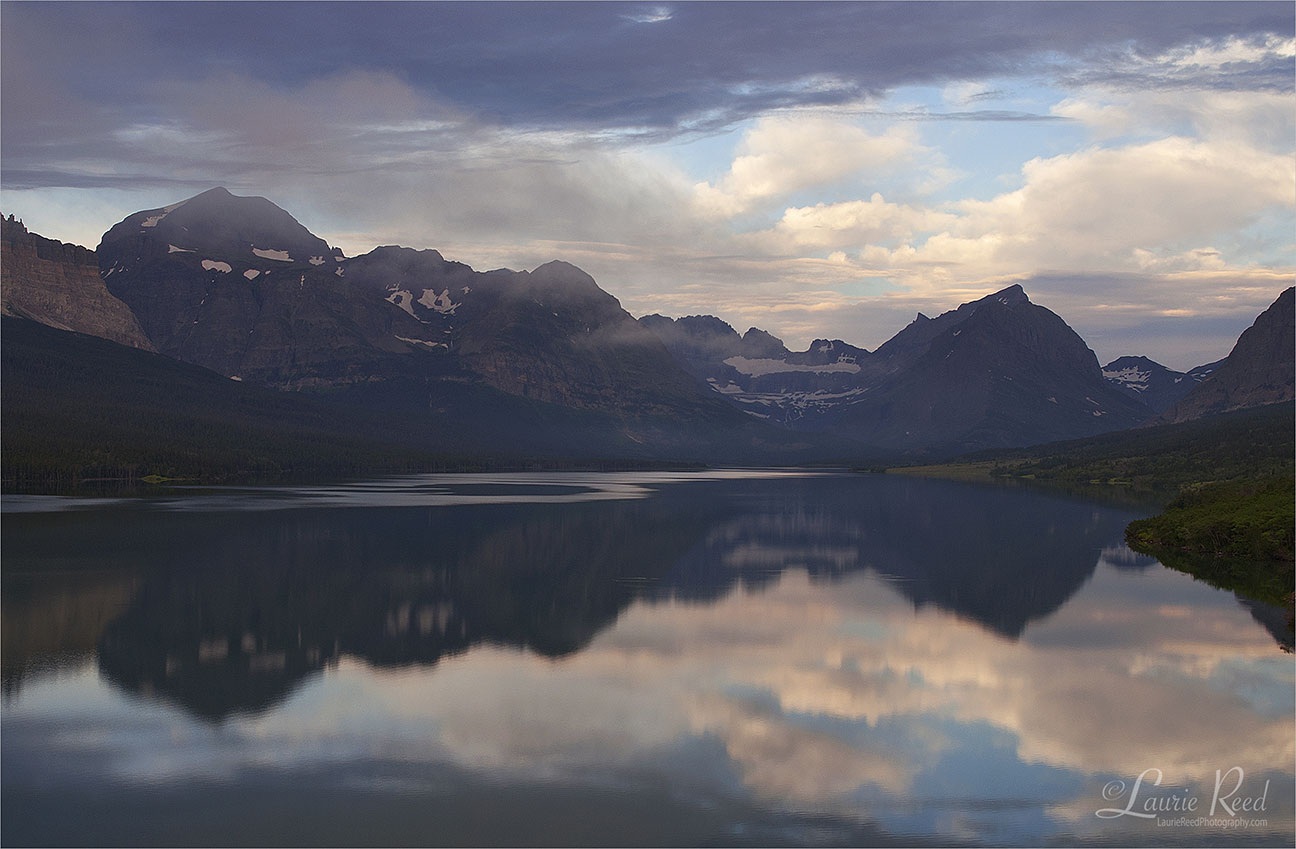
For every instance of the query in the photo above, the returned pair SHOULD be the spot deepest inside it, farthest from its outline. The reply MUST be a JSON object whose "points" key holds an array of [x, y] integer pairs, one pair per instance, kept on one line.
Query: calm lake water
{"points": [[752, 658]]}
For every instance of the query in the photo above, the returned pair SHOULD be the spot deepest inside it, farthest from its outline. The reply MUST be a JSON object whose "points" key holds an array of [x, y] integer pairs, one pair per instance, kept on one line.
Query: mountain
{"points": [[996, 372], [1261, 368], [400, 349], [78, 407], [1151, 383], [426, 354], [756, 370], [239, 286], [58, 284], [1200, 373], [550, 334]]}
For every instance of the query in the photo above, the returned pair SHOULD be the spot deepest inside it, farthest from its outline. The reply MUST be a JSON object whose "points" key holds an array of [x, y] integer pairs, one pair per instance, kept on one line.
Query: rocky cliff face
{"points": [[1261, 368], [58, 284]]}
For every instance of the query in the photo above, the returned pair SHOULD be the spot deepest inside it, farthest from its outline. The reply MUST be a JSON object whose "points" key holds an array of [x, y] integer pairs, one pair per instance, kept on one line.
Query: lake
{"points": [[642, 658]]}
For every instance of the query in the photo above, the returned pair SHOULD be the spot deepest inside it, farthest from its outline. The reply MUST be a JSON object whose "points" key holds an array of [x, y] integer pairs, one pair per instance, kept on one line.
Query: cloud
{"points": [[580, 65], [1232, 52], [1108, 209], [366, 153], [1237, 62], [650, 15], [851, 224], [784, 154], [1262, 119]]}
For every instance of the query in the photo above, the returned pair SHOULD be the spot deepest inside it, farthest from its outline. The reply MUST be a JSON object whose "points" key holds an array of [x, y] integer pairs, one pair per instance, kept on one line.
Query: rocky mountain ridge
{"points": [[239, 286]]}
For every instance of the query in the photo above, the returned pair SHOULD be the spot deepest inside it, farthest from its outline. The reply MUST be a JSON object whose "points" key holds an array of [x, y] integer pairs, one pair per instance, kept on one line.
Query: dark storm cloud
{"points": [[655, 67], [252, 89]]}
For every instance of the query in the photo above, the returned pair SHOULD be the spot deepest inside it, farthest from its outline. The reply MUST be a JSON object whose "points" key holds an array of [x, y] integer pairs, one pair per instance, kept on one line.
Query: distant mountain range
{"points": [[546, 361], [996, 372]]}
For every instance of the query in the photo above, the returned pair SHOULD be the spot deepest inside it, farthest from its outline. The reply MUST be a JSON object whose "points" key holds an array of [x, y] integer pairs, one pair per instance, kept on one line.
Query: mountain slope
{"points": [[76, 406], [58, 285], [1261, 368]]}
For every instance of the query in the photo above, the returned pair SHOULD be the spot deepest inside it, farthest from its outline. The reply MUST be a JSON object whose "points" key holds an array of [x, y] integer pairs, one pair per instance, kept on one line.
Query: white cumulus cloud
{"points": [[783, 154]]}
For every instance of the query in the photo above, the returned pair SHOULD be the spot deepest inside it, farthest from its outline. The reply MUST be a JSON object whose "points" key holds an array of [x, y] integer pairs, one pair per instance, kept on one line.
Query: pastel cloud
{"points": [[784, 154], [1093, 209], [853, 224]]}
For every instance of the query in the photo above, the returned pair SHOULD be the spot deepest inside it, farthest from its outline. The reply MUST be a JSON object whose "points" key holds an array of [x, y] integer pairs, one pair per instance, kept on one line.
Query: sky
{"points": [[819, 170]]}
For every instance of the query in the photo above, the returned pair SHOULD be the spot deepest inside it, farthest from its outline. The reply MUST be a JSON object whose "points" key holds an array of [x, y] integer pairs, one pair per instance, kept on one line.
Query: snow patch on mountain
{"points": [[404, 300], [439, 302], [152, 220], [316, 260], [759, 367], [423, 342], [172, 249], [1131, 377], [252, 274], [281, 256], [216, 265]]}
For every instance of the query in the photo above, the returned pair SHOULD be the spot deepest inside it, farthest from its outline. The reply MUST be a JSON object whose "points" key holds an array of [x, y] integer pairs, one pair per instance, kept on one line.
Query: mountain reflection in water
{"points": [[778, 591], [233, 609]]}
